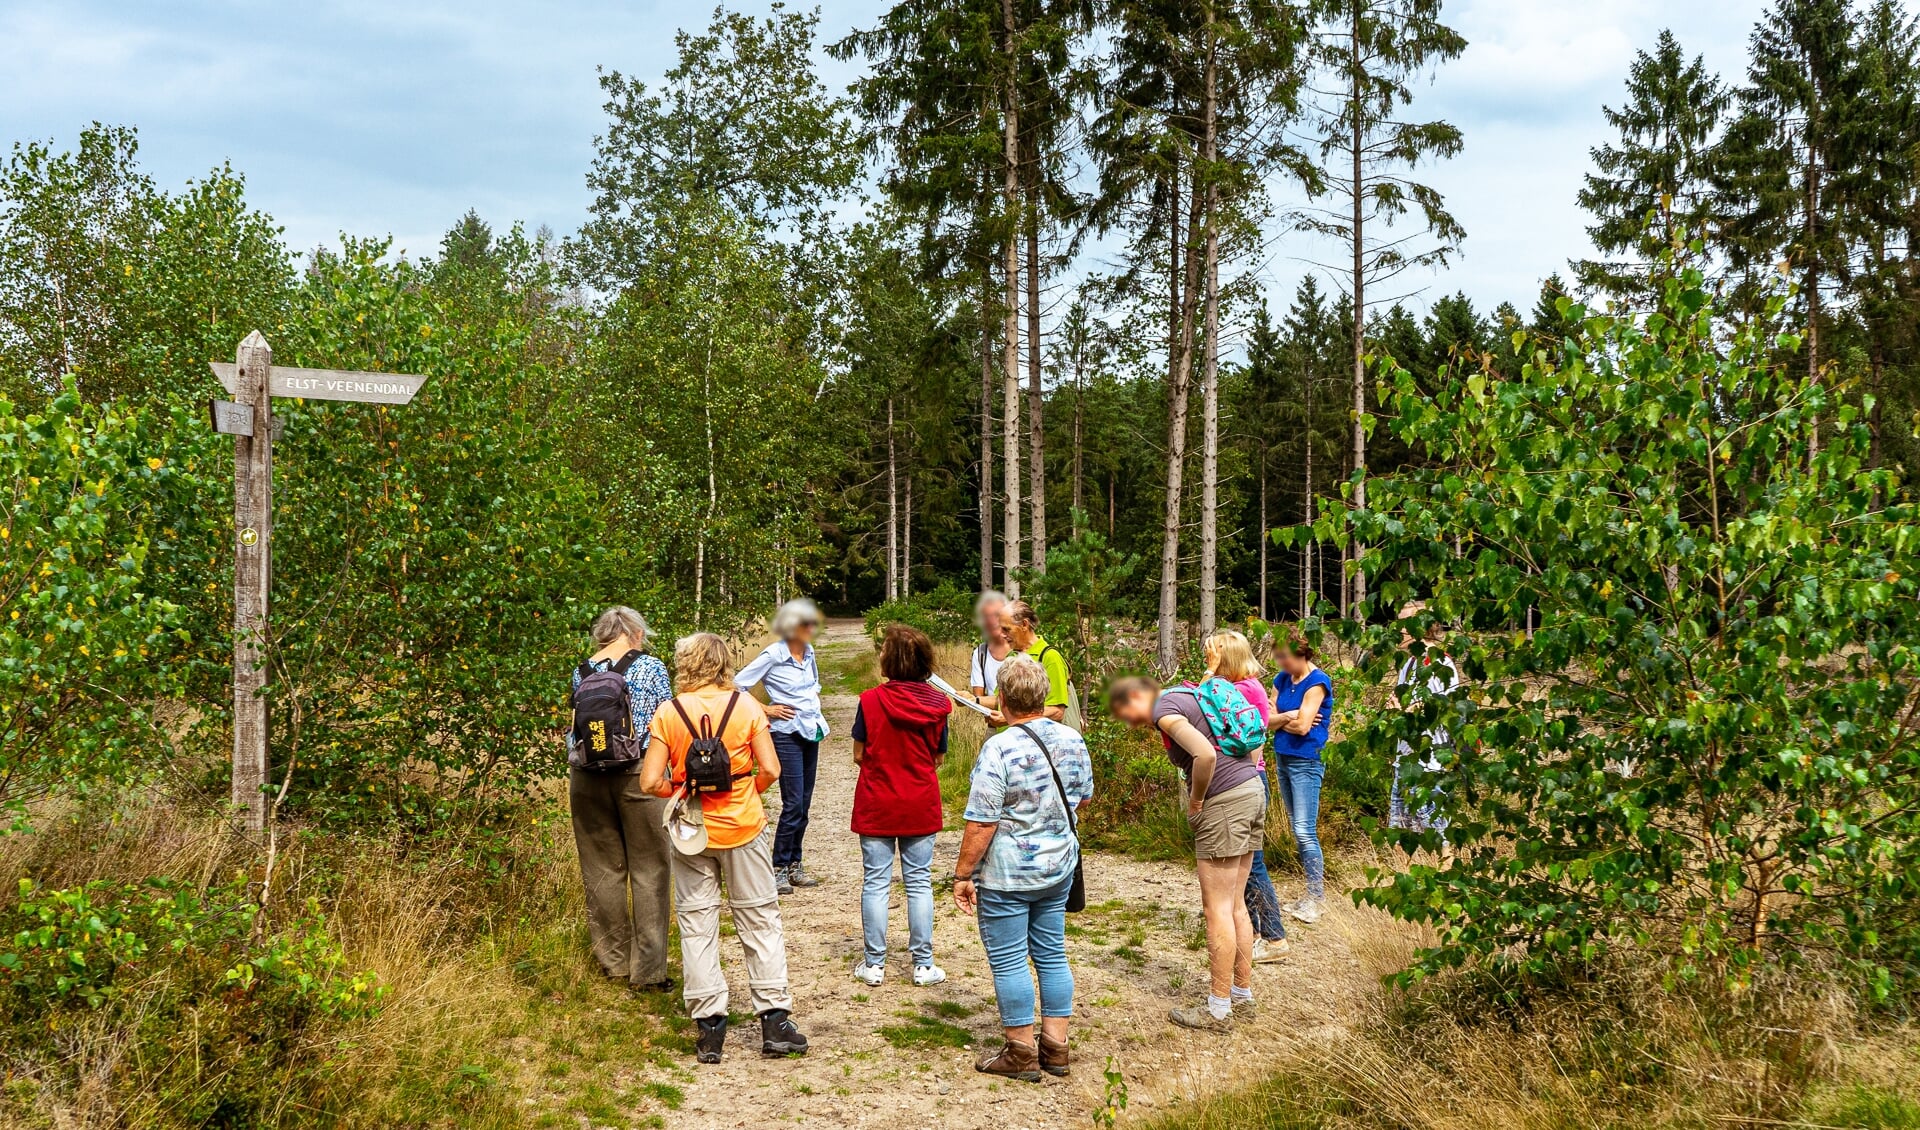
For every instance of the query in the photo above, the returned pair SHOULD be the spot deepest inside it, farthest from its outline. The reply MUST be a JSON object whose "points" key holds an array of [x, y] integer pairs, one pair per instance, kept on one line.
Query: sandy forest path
{"points": [[902, 1057]]}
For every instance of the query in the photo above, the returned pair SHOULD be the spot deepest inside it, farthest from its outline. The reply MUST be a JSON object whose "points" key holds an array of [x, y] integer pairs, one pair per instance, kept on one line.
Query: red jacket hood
{"points": [[909, 703]]}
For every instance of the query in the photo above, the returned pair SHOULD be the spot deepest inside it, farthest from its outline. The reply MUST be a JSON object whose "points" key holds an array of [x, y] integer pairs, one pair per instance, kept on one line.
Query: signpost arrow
{"points": [[253, 380]]}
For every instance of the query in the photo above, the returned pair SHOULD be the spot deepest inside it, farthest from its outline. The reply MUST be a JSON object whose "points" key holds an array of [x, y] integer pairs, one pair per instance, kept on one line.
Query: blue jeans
{"points": [[799, 761], [1298, 780], [1263, 905], [916, 874], [1018, 926]]}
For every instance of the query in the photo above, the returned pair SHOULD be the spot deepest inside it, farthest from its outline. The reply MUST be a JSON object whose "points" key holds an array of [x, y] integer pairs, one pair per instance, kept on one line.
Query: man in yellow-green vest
{"points": [[1023, 631]]}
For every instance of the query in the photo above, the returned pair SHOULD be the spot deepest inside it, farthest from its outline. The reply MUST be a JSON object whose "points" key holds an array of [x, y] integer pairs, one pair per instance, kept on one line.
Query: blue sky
{"points": [[393, 118]]}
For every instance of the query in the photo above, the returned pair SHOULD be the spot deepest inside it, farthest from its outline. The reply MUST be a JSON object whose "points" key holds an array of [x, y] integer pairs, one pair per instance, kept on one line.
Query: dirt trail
{"points": [[1133, 958]]}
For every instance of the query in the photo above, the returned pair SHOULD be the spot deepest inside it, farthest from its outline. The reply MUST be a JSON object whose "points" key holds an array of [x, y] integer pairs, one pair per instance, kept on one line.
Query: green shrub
{"points": [[226, 1019], [1700, 749], [945, 613]]}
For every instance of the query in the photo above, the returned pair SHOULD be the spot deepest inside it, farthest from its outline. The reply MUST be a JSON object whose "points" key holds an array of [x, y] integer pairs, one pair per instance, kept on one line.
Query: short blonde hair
{"points": [[1023, 686], [1230, 656], [702, 660], [619, 621]]}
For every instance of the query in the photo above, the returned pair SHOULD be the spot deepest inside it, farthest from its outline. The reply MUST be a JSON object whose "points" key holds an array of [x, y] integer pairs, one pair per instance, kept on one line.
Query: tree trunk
{"points": [[986, 443], [893, 512], [1079, 437], [1308, 582], [1812, 286], [1010, 347], [1186, 285], [906, 543], [1263, 533], [1210, 366], [713, 493], [1359, 581], [1036, 403]]}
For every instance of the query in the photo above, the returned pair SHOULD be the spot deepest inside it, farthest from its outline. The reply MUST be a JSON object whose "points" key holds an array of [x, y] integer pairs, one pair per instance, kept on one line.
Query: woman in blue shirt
{"points": [[790, 673], [1302, 709], [617, 825]]}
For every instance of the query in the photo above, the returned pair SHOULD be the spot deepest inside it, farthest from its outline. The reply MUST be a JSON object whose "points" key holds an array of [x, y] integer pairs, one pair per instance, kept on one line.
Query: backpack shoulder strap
{"points": [[627, 661], [686, 721], [586, 668], [727, 714]]}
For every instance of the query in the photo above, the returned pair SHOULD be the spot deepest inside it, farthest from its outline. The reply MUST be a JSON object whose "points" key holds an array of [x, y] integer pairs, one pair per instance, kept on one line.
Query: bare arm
{"points": [[1200, 749], [859, 752], [973, 848], [1301, 721], [766, 760], [653, 769]]}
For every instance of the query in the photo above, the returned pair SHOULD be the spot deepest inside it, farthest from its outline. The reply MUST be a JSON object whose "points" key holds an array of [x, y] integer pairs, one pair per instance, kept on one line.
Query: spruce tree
{"points": [[1660, 166]]}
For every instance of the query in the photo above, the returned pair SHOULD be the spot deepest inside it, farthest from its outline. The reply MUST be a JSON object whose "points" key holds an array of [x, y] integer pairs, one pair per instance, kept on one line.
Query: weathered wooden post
{"points": [[253, 382], [252, 575]]}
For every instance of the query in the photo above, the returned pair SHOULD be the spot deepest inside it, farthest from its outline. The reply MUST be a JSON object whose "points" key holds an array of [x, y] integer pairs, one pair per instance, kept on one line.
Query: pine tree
{"points": [[1659, 166], [1369, 52]]}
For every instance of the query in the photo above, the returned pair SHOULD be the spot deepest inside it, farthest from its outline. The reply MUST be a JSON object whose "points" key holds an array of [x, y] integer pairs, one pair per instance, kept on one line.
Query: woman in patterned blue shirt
{"points": [[619, 830], [1016, 866]]}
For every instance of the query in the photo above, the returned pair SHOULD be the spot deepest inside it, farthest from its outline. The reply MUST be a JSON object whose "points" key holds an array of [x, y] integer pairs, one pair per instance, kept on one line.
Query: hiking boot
{"points": [[778, 1036], [782, 881], [1200, 1019], [797, 875], [1013, 1061], [1265, 951], [1054, 1058], [1306, 910], [869, 975], [924, 975], [713, 1038], [1244, 1010]]}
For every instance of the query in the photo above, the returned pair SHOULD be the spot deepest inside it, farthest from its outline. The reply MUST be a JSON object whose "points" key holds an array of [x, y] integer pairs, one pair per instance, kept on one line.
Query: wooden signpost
{"points": [[253, 382]]}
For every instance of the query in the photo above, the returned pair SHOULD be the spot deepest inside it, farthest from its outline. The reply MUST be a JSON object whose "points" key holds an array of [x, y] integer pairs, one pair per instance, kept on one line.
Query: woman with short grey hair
{"points": [[617, 826], [790, 674]]}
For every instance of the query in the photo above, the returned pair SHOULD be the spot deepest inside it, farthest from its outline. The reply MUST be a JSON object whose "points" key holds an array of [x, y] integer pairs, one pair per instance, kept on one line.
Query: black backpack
{"points": [[709, 770], [602, 738]]}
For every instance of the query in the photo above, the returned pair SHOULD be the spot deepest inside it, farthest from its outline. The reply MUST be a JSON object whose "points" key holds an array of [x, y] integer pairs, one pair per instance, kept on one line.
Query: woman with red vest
{"points": [[899, 738]]}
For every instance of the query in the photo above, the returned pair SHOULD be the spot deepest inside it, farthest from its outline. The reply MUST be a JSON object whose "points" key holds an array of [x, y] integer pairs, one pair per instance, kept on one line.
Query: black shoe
{"points": [[713, 1037], [778, 1036]]}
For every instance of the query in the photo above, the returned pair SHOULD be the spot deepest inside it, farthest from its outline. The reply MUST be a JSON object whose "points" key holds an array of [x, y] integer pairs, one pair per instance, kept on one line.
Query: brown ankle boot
{"points": [[1014, 1061], [1054, 1057]]}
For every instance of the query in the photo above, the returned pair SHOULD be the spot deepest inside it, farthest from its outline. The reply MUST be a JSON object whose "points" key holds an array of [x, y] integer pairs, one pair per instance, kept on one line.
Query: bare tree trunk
{"points": [[1079, 436], [1036, 403], [1210, 367], [893, 508], [986, 444], [713, 492], [1263, 533], [1812, 286], [1010, 347], [1308, 586], [906, 544], [1180, 364], [1359, 581]]}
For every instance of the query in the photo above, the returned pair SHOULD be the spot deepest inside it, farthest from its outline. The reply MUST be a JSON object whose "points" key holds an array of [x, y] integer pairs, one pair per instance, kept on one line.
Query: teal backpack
{"points": [[1237, 727]]}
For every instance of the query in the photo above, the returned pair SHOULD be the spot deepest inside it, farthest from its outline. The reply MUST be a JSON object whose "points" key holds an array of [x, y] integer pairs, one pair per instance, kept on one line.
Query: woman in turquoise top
{"points": [[1302, 710]]}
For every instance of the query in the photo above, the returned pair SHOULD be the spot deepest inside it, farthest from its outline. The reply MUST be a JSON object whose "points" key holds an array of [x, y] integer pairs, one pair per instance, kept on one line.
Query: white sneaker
{"points": [[1306, 910], [1264, 951], [928, 975], [869, 974]]}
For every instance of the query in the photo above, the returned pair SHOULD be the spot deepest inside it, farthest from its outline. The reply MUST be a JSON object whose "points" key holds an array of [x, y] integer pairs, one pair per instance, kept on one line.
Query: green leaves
{"points": [[1701, 745]]}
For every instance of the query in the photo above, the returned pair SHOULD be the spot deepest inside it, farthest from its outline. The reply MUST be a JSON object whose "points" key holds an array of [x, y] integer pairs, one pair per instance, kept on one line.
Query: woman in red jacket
{"points": [[899, 737]]}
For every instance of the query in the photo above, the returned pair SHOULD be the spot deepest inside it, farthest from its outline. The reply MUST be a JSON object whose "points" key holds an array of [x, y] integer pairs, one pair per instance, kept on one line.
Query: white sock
{"points": [[1241, 994], [1219, 1007]]}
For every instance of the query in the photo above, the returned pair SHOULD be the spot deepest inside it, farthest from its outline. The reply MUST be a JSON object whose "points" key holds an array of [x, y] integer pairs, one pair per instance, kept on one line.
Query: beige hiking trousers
{"points": [[748, 873], [623, 848]]}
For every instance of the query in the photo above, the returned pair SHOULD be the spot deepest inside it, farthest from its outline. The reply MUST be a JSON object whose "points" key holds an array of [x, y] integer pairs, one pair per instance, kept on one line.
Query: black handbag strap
{"points": [[1073, 825]]}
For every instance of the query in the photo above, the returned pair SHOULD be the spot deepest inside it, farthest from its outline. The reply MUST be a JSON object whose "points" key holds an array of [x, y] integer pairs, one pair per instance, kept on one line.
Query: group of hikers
{"points": [[666, 777]]}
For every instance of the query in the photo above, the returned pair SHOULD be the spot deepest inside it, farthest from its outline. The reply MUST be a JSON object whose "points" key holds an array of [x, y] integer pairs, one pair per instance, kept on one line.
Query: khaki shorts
{"points": [[1231, 824]]}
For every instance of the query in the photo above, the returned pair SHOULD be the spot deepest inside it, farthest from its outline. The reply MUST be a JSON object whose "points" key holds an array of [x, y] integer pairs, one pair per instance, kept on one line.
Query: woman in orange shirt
{"points": [[717, 836]]}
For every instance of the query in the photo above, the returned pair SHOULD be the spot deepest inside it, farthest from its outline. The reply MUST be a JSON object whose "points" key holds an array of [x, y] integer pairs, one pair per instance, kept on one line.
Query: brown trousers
{"points": [[624, 862]]}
